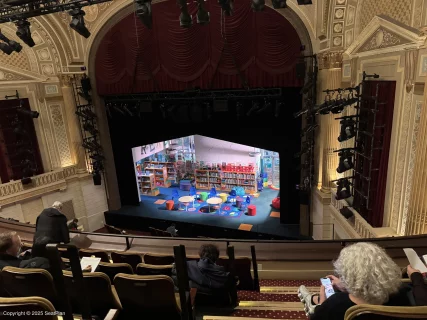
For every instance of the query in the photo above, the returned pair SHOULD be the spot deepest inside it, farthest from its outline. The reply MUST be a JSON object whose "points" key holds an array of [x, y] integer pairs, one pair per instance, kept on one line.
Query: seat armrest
{"points": [[112, 314]]}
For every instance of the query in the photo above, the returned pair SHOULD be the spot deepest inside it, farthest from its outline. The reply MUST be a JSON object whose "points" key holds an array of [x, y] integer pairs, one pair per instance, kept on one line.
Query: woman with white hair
{"points": [[52, 223], [365, 274]]}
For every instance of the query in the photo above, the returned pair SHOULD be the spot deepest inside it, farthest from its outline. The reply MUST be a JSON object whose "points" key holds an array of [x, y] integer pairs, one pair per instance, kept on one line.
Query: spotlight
{"points": [[258, 5], [238, 109], [255, 106], [13, 44], [29, 113], [279, 4], [279, 105], [96, 176], [92, 146], [5, 48], [78, 22], [348, 130], [304, 2], [343, 190], [203, 16], [266, 106], [87, 114], [97, 157], [308, 129], [346, 161], [24, 32], [87, 126], [143, 11], [227, 6], [185, 19]]}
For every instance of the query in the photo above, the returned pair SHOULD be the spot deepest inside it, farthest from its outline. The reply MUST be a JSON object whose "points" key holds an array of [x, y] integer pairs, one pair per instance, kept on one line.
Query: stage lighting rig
{"points": [[343, 188], [253, 108], [185, 19], [24, 32], [346, 159], [348, 128], [258, 5], [227, 6], [143, 11], [308, 129], [15, 46], [89, 127], [78, 22], [5, 48], [91, 145], [306, 147], [203, 17], [279, 4]]}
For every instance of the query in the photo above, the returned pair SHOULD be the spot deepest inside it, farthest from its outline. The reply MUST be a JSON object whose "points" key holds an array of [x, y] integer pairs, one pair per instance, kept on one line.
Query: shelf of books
{"points": [[225, 180], [170, 169], [160, 176], [146, 185]]}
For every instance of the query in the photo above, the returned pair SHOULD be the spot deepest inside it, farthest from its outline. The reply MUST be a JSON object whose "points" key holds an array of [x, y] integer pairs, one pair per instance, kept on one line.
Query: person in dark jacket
{"points": [[10, 249], [419, 289], [52, 223], [205, 274]]}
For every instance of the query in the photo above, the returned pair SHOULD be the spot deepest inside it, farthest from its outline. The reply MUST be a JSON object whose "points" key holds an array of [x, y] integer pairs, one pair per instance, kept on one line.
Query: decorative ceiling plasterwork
{"points": [[8, 76], [378, 38]]}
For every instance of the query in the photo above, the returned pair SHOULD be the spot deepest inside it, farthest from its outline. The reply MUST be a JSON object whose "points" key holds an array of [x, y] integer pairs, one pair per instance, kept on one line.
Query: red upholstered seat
{"points": [[251, 210]]}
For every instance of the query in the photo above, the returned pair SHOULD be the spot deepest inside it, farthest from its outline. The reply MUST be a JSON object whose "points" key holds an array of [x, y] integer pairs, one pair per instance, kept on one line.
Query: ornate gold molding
{"points": [[330, 59]]}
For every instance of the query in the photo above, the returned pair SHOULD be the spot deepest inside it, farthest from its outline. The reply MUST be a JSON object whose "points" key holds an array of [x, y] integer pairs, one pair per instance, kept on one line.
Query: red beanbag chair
{"points": [[276, 203]]}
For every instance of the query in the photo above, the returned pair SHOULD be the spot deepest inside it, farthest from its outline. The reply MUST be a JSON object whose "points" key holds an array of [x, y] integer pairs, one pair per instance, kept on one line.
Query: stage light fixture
{"points": [[78, 22], [279, 105], [86, 113], [227, 6], [239, 107], [24, 32], [343, 190], [13, 44], [258, 5], [185, 19], [28, 113], [304, 2], [279, 4], [5, 48], [254, 107], [89, 127], [267, 105], [143, 11], [203, 17], [346, 161], [348, 130]]}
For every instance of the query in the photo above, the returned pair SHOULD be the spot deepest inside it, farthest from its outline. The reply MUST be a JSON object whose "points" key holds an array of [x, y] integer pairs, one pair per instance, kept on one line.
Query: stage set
{"points": [[201, 180]]}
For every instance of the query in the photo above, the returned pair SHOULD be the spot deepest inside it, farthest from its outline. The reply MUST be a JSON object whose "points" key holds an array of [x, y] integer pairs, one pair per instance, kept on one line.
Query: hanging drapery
{"points": [[262, 48]]}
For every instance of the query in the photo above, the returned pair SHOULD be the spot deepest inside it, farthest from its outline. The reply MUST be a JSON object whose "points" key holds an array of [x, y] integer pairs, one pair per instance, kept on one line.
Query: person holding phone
{"points": [[419, 287], [365, 274]]}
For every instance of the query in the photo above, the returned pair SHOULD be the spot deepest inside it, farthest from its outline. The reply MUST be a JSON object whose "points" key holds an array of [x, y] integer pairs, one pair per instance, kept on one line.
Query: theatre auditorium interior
{"points": [[213, 159]]}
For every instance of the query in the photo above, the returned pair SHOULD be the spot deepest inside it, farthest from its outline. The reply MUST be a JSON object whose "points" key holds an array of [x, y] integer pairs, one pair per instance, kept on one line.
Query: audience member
{"points": [[365, 275], [52, 223], [10, 249], [72, 224], [419, 288]]}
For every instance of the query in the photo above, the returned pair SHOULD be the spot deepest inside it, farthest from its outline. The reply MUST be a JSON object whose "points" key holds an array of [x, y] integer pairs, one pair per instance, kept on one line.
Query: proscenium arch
{"points": [[115, 13]]}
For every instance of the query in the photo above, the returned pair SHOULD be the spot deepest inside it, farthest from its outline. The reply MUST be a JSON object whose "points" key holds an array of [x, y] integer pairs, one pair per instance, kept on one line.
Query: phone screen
{"points": [[329, 289]]}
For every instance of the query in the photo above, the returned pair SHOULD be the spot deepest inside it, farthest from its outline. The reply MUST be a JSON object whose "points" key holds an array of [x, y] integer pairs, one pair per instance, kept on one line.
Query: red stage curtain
{"points": [[262, 45], [382, 137]]}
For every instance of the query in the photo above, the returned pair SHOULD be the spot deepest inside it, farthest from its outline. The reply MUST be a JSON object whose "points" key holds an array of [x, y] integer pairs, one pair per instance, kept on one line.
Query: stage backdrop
{"points": [[260, 48]]}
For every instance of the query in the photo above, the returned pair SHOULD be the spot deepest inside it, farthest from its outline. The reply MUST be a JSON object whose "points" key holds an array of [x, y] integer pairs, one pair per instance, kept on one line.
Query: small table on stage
{"points": [[186, 200], [213, 201]]}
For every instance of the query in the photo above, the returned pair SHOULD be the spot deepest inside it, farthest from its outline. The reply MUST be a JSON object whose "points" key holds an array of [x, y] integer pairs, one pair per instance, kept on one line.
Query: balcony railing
{"points": [[47, 182], [356, 226]]}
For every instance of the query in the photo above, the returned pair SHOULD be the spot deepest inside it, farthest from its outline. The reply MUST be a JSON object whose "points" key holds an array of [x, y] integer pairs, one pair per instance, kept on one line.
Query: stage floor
{"points": [[266, 221]]}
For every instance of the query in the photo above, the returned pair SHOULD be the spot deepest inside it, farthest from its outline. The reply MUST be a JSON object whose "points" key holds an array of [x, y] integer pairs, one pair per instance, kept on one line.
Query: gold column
{"points": [[417, 211], [330, 65], [77, 150]]}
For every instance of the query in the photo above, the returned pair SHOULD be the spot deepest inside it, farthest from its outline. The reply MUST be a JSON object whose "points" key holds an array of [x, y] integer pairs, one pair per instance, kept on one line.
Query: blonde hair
{"points": [[368, 273], [57, 205]]}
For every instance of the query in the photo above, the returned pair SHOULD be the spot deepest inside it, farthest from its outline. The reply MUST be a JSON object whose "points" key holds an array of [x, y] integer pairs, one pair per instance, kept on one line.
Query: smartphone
{"points": [[329, 289]]}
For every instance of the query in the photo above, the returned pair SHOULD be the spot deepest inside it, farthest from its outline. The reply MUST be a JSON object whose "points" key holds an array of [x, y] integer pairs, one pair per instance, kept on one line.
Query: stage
{"points": [[225, 221]]}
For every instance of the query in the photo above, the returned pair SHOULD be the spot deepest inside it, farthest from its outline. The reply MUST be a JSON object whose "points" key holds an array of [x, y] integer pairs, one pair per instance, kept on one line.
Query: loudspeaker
{"points": [[96, 176], [25, 181], [300, 70]]}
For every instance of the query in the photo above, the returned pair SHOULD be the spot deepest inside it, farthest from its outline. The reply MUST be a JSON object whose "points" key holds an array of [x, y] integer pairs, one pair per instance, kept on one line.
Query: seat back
{"points": [[157, 259], [152, 270], [25, 246], [111, 269], [371, 312], [112, 229], [126, 257], [33, 305], [19, 282], [96, 253], [99, 292], [152, 296], [242, 269]]}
